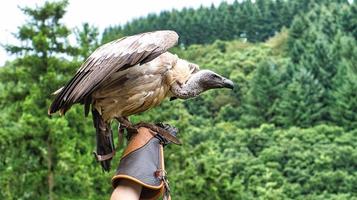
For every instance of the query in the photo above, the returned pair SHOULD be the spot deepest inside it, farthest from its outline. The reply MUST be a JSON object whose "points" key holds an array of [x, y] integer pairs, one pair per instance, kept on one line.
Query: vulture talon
{"points": [[124, 121], [157, 129]]}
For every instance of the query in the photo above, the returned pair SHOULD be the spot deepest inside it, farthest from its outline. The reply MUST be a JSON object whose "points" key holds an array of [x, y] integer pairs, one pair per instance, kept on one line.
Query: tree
{"points": [[44, 158], [43, 35], [314, 44], [41, 38], [254, 20], [87, 37], [344, 104], [300, 102], [260, 99]]}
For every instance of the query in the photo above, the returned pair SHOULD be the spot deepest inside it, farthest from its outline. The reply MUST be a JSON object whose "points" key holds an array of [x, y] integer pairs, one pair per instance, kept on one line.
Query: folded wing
{"points": [[109, 58]]}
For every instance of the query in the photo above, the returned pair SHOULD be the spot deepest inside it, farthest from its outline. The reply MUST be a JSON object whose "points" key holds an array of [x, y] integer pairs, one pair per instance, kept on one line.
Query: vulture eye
{"points": [[215, 76]]}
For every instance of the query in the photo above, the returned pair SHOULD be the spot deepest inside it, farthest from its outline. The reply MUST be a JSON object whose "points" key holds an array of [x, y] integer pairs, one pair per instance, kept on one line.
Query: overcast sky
{"points": [[100, 13]]}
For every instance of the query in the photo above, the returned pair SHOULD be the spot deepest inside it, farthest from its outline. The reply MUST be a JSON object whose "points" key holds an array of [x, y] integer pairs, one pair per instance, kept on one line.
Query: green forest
{"points": [[287, 131]]}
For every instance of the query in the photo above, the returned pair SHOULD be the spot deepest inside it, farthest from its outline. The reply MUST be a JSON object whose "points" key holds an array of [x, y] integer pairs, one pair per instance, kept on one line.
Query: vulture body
{"points": [[141, 87], [129, 76]]}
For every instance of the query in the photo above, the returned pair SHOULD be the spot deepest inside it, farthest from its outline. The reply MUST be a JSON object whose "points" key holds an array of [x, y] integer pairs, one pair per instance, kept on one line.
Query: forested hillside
{"points": [[242, 19], [287, 131]]}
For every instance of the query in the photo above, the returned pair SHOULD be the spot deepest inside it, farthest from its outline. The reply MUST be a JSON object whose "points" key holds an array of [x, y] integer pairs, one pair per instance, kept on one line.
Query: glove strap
{"points": [[167, 192], [161, 174]]}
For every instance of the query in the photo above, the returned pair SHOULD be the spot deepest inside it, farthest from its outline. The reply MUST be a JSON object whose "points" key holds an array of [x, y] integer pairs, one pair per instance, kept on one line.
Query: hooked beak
{"points": [[228, 84]]}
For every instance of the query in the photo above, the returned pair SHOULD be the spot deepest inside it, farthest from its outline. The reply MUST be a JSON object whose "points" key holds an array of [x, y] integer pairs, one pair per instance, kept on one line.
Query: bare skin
{"points": [[126, 190]]}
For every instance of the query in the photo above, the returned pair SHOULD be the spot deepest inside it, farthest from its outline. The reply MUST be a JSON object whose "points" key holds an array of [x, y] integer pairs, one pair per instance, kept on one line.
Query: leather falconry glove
{"points": [[143, 162]]}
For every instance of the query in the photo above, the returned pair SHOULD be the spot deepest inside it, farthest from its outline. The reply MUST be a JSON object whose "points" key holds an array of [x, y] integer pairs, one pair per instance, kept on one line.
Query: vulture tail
{"points": [[105, 145]]}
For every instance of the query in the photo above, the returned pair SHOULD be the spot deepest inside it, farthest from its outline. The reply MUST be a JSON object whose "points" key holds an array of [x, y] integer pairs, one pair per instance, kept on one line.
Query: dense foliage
{"points": [[44, 158], [287, 131], [242, 19]]}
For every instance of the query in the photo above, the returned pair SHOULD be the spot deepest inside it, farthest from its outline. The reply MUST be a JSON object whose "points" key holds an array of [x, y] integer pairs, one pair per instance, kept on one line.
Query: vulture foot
{"points": [[161, 129]]}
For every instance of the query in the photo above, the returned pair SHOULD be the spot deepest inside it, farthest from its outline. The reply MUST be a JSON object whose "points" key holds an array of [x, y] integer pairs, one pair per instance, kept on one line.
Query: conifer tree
{"points": [[260, 99], [87, 37], [254, 20], [300, 102], [312, 45], [45, 158], [344, 102]]}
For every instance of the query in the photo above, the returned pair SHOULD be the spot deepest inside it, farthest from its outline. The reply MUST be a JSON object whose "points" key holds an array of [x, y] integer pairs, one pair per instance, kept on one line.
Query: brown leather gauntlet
{"points": [[143, 163]]}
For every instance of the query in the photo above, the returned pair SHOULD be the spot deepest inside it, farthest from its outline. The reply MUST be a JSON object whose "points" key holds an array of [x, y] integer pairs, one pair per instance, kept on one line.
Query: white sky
{"points": [[100, 13]]}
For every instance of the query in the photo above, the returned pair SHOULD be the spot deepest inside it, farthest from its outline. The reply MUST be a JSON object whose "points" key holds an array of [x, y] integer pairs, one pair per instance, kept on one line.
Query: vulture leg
{"points": [[105, 145], [124, 121]]}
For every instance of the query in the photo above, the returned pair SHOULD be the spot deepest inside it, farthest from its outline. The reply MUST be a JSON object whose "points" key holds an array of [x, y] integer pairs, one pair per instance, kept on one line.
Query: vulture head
{"points": [[208, 79], [199, 82]]}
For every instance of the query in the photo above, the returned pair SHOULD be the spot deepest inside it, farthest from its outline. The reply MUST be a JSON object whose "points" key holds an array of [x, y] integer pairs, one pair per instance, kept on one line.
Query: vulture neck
{"points": [[191, 88]]}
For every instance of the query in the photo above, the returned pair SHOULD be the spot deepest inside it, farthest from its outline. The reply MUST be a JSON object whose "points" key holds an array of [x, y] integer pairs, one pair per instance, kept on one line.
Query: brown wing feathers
{"points": [[117, 55]]}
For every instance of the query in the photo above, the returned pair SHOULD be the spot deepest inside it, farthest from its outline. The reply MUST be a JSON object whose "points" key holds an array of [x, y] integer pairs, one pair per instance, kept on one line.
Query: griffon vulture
{"points": [[129, 76]]}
